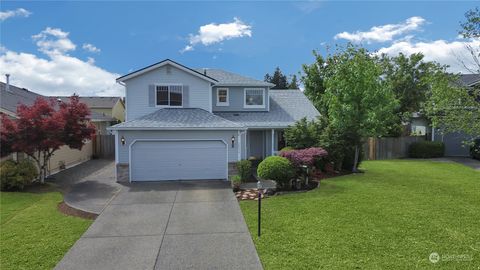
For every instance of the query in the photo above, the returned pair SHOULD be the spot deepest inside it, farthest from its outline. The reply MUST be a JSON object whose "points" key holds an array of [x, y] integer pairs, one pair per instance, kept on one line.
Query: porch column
{"points": [[239, 145], [273, 141]]}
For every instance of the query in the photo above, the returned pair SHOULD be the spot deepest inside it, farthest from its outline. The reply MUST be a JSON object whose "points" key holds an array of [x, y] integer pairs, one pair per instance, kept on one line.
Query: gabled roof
{"points": [[226, 78], [178, 118], [96, 102], [163, 63], [469, 79], [286, 107]]}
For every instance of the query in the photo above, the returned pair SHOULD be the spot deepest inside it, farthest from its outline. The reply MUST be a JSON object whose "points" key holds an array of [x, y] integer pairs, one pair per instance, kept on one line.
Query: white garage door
{"points": [[178, 160]]}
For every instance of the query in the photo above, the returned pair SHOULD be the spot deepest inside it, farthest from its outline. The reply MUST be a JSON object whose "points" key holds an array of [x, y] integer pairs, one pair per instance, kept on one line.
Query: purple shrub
{"points": [[306, 156]]}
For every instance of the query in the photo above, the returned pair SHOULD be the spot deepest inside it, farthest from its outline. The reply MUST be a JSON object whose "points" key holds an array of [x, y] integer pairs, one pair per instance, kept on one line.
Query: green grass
{"points": [[391, 217], [33, 233]]}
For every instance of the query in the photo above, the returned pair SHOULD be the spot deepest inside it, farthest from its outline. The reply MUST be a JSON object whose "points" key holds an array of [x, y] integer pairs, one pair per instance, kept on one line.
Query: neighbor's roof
{"points": [[226, 78], [286, 107], [9, 100], [96, 102], [178, 118], [469, 79]]}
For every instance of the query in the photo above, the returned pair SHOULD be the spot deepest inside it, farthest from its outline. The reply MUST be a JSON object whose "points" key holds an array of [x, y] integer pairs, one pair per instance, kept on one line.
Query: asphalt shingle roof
{"points": [[469, 79], [96, 102], [226, 78], [9, 100], [178, 118], [286, 107]]}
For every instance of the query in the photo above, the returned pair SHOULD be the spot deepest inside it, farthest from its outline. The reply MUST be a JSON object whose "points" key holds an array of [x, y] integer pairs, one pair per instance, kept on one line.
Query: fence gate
{"points": [[104, 146]]}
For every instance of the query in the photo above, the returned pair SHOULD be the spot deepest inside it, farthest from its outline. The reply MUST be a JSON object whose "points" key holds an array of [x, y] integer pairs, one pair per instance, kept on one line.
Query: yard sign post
{"points": [[259, 187]]}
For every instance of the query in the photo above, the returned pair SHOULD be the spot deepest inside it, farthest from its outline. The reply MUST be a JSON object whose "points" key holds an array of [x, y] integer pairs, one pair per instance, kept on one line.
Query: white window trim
{"points": [[168, 85], [245, 98], [227, 103]]}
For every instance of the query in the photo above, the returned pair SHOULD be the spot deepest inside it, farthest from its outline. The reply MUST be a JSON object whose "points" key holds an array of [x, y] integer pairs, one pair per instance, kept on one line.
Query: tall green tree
{"points": [[278, 78], [452, 107], [358, 101], [470, 29], [313, 79], [293, 83], [408, 77]]}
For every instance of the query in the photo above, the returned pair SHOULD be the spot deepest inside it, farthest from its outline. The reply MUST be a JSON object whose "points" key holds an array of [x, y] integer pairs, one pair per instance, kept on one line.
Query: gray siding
{"points": [[130, 136], [454, 146], [137, 90], [236, 96]]}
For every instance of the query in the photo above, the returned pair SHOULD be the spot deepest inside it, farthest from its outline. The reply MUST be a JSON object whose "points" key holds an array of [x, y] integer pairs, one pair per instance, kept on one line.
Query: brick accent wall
{"points": [[122, 172]]}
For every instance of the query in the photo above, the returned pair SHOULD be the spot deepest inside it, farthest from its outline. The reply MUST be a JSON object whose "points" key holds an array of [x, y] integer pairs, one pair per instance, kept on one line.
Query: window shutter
{"points": [[185, 96], [151, 95]]}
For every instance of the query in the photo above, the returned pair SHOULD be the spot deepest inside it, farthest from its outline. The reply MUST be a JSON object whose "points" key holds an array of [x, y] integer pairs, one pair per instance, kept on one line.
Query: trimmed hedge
{"points": [[426, 149], [276, 168], [244, 168]]}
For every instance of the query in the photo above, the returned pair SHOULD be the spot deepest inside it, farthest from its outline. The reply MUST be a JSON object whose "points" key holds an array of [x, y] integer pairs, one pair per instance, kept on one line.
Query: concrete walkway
{"points": [[167, 225], [88, 186]]}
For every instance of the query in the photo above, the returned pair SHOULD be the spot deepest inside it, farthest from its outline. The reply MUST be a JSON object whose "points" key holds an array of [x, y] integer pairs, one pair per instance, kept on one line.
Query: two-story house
{"points": [[184, 123]]}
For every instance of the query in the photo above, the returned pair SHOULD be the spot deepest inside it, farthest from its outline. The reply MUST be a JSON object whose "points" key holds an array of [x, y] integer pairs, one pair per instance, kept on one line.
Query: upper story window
{"points": [[169, 95], [222, 97], [254, 98]]}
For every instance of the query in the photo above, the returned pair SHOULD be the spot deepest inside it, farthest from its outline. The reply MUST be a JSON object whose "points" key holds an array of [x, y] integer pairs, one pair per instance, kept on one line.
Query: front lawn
{"points": [[33, 233], [391, 217]]}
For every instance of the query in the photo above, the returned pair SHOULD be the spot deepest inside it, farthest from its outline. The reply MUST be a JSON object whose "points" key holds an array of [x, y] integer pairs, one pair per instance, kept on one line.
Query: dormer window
{"points": [[169, 95], [222, 97], [254, 98]]}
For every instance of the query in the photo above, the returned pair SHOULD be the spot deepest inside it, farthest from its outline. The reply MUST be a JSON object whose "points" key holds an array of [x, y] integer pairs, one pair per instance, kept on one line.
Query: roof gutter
{"points": [[172, 128]]}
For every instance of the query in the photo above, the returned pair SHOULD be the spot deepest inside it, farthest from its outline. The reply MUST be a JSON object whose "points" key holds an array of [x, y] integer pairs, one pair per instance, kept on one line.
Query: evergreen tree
{"points": [[293, 83]]}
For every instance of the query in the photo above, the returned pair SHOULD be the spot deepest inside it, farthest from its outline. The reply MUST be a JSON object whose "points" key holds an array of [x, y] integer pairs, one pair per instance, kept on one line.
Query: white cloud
{"points": [[441, 51], [53, 41], [19, 12], [384, 32], [214, 33], [58, 73], [90, 48]]}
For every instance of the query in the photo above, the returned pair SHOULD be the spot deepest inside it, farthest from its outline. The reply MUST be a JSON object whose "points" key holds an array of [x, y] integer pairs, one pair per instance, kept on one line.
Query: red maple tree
{"points": [[42, 128]]}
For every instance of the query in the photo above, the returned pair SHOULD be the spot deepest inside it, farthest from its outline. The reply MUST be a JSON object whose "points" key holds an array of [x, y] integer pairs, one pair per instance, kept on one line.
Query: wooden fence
{"points": [[389, 148], [104, 146]]}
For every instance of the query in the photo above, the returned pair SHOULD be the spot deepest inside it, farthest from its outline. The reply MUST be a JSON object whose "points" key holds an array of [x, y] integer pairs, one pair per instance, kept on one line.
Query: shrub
{"points": [[276, 168], [15, 175], [236, 180], [475, 149], [303, 133], [244, 168], [304, 156], [426, 149], [287, 148]]}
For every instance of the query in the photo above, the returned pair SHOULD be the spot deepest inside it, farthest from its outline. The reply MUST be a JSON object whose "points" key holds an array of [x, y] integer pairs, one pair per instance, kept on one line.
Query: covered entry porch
{"points": [[262, 143]]}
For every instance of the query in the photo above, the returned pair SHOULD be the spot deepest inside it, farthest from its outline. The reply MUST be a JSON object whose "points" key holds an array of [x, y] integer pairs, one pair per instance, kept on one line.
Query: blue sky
{"points": [[65, 47]]}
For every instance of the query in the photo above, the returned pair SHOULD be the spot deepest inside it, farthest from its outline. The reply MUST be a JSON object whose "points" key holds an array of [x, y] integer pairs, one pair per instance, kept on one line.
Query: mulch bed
{"points": [[70, 211]]}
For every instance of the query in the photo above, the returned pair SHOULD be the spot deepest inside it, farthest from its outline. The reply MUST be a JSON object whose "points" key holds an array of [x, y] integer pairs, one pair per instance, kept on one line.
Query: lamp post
{"points": [[259, 187]]}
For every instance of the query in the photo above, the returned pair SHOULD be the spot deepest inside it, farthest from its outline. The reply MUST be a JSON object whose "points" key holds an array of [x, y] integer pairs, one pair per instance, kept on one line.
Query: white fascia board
{"points": [[161, 64]]}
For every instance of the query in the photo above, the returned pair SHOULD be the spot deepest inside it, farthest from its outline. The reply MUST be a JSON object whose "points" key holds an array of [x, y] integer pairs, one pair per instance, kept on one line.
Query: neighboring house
{"points": [[184, 123], [11, 96], [110, 110], [454, 142]]}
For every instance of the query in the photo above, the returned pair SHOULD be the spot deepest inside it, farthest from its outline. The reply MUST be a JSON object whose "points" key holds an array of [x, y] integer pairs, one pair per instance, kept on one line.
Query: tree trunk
{"points": [[355, 160]]}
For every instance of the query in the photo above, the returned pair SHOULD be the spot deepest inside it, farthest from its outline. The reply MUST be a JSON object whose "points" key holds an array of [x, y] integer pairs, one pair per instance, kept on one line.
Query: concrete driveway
{"points": [[167, 225], [88, 186]]}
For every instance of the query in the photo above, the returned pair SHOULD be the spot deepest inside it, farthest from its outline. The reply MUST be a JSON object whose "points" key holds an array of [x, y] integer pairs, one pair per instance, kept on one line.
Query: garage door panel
{"points": [[178, 160]]}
